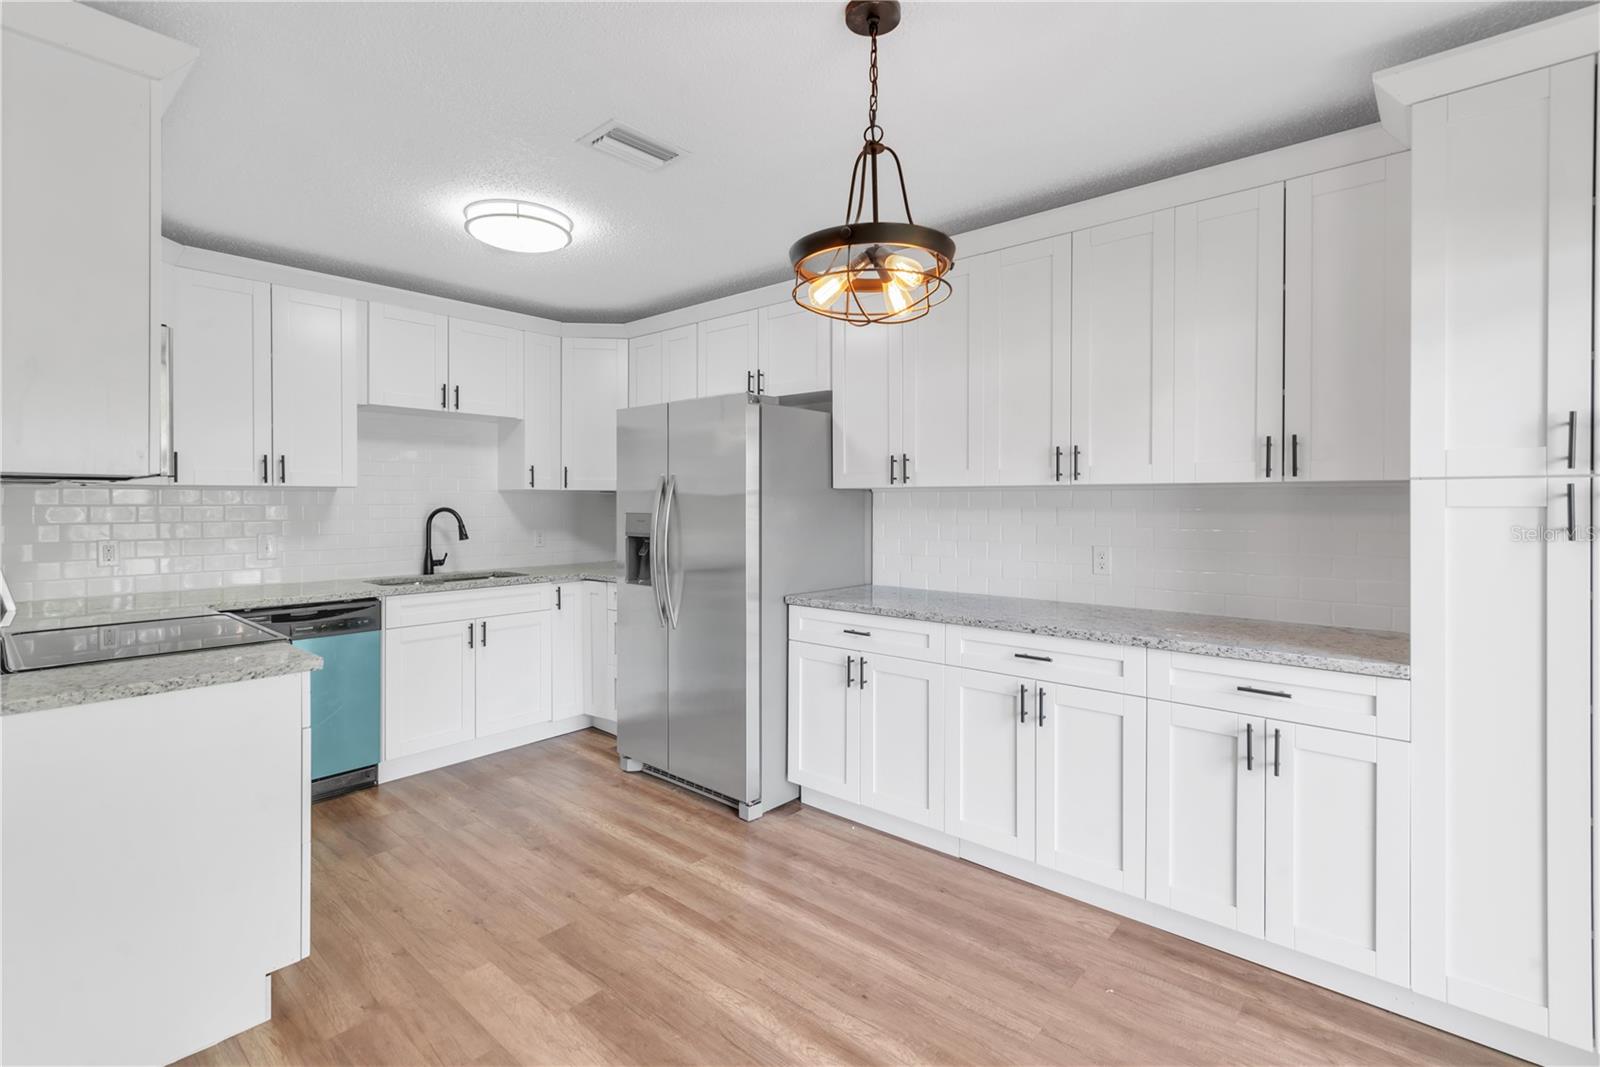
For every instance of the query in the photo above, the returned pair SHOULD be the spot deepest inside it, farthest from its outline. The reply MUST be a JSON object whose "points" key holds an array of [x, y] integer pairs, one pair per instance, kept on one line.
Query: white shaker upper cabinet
{"points": [[941, 383], [1501, 672], [408, 358], [1502, 289], [989, 761], [1228, 339], [866, 405], [728, 354], [1122, 351], [315, 349], [1346, 329], [796, 350], [530, 448], [1023, 321], [645, 371], [1206, 826], [594, 384], [485, 369], [680, 363], [221, 352]]}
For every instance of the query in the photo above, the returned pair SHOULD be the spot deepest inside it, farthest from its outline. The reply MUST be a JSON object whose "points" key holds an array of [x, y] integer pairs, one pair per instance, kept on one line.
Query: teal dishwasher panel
{"points": [[346, 702]]}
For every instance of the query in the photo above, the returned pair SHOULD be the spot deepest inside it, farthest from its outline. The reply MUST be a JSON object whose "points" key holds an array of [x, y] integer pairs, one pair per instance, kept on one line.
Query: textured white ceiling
{"points": [[346, 137]]}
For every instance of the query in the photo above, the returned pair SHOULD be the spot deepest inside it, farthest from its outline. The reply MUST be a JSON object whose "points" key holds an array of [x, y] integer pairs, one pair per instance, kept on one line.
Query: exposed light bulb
{"points": [[904, 270], [826, 289], [895, 296]]}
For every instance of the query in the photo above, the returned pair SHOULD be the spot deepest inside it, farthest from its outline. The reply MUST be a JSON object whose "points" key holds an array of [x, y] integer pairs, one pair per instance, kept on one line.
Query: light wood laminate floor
{"points": [[540, 906]]}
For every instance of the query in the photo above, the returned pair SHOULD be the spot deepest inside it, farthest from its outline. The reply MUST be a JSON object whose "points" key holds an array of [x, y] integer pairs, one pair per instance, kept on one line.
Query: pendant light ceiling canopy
{"points": [[872, 270]]}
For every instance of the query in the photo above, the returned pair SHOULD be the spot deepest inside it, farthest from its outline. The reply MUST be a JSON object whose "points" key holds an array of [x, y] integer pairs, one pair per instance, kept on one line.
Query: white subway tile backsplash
{"points": [[172, 538], [1336, 555]]}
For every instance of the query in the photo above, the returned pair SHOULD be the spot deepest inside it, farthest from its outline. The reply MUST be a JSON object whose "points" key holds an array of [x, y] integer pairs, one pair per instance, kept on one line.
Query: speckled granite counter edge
{"points": [[96, 683], [1263, 651]]}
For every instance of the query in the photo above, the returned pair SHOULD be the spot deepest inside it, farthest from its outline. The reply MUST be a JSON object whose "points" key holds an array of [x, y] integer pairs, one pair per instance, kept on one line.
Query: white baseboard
{"points": [[1362, 987], [605, 726], [405, 766]]}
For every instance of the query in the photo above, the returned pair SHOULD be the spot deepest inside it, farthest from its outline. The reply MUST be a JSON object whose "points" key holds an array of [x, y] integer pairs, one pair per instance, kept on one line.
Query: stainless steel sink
{"points": [[445, 579]]}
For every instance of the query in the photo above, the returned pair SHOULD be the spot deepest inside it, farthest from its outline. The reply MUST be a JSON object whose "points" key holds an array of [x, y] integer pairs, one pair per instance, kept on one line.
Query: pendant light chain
{"points": [[872, 81]]}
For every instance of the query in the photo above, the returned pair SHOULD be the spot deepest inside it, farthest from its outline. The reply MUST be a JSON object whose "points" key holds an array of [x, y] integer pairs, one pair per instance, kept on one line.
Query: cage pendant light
{"points": [[872, 270]]}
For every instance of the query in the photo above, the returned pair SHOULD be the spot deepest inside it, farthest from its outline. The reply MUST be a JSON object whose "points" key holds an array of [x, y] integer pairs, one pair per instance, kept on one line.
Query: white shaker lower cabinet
{"points": [[902, 731], [513, 664], [1502, 651], [1090, 780], [989, 761], [429, 687], [568, 637], [1207, 796], [824, 721], [1338, 847]]}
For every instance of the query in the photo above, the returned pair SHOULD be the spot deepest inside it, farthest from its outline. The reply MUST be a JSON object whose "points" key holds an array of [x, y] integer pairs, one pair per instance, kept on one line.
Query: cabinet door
{"points": [[1339, 848], [313, 387], [429, 687], [824, 721], [1023, 317], [594, 384], [408, 358], [902, 738], [1228, 338], [989, 761], [1122, 350], [597, 638], [728, 354], [1347, 323], [941, 390], [1091, 769], [531, 451], [866, 405], [680, 363], [796, 350], [569, 653], [1502, 655], [1207, 792], [646, 371], [221, 378], [514, 660], [1502, 177], [485, 369]]}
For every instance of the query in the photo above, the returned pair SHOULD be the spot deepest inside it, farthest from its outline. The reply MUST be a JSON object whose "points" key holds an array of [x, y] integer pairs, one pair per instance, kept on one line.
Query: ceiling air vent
{"points": [[630, 147]]}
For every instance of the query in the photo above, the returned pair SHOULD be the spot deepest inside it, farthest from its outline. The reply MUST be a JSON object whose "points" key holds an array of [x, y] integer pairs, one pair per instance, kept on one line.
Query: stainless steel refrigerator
{"points": [[724, 505]]}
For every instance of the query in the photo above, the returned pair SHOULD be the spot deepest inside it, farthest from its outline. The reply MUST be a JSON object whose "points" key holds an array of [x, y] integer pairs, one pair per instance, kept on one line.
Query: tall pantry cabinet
{"points": [[1502, 548]]}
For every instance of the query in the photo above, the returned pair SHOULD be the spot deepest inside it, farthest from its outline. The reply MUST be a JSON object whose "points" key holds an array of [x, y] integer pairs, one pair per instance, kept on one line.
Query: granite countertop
{"points": [[93, 683], [1372, 652], [137, 607]]}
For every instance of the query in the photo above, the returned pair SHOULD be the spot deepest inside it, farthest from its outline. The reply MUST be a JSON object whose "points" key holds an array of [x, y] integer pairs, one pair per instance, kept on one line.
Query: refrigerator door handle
{"points": [[658, 554], [666, 540]]}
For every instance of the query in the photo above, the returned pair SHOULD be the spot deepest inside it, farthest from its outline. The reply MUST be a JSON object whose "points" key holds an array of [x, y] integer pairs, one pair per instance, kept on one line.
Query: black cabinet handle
{"points": [[1249, 746], [283, 469], [1074, 462], [1294, 455], [558, 598], [1022, 700], [444, 395], [458, 398], [891, 469], [749, 382], [174, 464], [905, 469], [470, 631], [1269, 455], [563, 477], [1263, 692], [530, 476], [862, 684], [483, 629], [1572, 440], [849, 671], [1029, 655], [1572, 515], [265, 461], [1277, 750], [761, 384], [859, 633], [1038, 704], [1058, 463]]}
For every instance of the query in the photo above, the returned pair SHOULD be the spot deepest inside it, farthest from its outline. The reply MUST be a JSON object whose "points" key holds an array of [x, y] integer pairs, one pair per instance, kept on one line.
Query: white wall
{"points": [[194, 538], [1318, 554]]}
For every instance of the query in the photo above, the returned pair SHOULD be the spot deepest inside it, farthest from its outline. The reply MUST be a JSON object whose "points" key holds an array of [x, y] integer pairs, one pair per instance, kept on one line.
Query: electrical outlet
{"points": [[538, 539], [1101, 560], [108, 554], [267, 546]]}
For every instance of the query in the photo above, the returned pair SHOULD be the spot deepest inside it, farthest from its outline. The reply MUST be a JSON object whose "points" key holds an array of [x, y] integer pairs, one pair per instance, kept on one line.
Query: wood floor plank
{"points": [[539, 906]]}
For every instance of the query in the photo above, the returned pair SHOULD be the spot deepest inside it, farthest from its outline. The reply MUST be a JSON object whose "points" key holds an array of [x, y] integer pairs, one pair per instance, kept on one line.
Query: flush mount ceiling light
{"points": [[872, 271], [518, 226]]}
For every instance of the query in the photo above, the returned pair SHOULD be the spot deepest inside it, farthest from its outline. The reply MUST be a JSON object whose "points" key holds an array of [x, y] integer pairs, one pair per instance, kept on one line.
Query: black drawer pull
{"points": [[1022, 700], [862, 684], [859, 633], [1249, 746], [1030, 655], [1277, 750], [1264, 692], [849, 671]]}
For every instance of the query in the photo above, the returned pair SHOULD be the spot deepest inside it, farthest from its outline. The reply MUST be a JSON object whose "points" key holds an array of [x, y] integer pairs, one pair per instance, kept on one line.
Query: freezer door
{"points": [[712, 544], [641, 624]]}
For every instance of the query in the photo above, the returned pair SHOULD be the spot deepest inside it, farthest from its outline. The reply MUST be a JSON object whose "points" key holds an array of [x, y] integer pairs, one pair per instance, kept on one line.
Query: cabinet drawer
{"points": [[461, 605], [1355, 702], [1090, 664], [868, 633]]}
